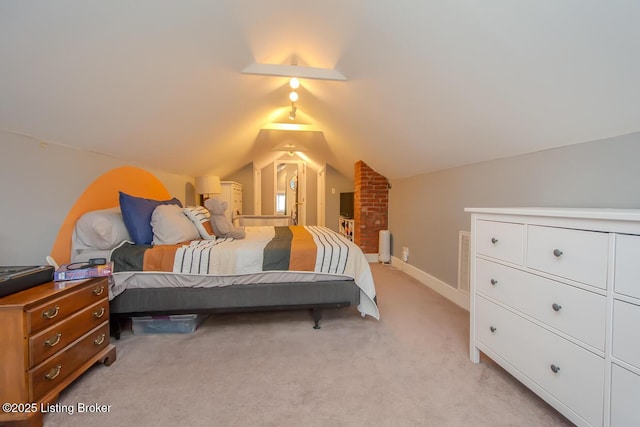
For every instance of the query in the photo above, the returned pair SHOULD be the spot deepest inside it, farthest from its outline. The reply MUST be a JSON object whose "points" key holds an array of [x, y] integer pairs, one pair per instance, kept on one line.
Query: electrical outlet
{"points": [[405, 254]]}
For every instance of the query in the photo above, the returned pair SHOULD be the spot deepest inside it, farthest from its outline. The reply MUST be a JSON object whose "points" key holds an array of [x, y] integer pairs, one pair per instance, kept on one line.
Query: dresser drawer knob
{"points": [[492, 328], [494, 240], [556, 306], [99, 313], [555, 368], [98, 291], [53, 340], [51, 313], [557, 253], [99, 340], [53, 373], [494, 282]]}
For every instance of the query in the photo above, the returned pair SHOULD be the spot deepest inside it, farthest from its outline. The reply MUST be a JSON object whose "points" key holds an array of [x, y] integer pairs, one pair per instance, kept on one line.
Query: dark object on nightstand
{"points": [[15, 279]]}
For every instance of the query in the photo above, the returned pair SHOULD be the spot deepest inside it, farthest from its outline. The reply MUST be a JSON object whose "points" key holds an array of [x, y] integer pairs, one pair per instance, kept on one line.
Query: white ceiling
{"points": [[431, 84]]}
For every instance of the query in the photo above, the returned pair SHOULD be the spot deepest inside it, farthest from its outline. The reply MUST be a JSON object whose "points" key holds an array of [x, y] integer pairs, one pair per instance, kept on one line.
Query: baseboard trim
{"points": [[449, 292], [371, 257]]}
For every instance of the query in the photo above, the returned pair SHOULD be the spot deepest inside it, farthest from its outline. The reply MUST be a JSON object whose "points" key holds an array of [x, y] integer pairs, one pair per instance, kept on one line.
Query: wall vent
{"points": [[464, 261]]}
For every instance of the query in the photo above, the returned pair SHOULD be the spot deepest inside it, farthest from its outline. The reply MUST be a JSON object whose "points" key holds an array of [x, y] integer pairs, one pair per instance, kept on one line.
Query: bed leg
{"points": [[317, 315], [115, 326]]}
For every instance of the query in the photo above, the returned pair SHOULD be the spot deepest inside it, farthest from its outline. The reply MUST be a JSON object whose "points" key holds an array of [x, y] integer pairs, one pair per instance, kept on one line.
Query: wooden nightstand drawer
{"points": [[53, 311], [51, 373], [41, 355], [51, 340]]}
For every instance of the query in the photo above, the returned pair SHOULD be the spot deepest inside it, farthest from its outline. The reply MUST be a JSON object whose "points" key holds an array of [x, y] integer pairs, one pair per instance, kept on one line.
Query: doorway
{"points": [[287, 191]]}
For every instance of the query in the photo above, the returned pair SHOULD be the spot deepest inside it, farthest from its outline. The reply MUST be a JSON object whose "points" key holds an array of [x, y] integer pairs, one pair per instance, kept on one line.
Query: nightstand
{"points": [[50, 335]]}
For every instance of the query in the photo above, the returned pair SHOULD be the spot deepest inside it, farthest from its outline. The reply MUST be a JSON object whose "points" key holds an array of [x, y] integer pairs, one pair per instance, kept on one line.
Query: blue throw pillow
{"points": [[136, 213]]}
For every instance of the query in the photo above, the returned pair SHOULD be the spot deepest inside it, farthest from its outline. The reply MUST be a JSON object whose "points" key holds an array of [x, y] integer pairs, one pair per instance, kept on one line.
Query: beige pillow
{"points": [[170, 226], [100, 229]]}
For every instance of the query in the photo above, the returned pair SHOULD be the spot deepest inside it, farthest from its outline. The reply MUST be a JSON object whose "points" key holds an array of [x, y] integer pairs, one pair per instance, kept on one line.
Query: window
{"points": [[281, 202]]}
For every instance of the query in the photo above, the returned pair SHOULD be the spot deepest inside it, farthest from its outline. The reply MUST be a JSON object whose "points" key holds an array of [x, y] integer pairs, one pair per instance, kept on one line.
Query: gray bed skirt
{"points": [[259, 297]]}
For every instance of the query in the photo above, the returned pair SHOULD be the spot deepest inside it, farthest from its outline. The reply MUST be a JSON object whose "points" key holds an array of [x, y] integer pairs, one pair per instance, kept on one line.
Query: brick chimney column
{"points": [[371, 203]]}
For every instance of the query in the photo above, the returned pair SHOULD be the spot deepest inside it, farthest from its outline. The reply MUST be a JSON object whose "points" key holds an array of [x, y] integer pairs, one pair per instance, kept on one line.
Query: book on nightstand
{"points": [[75, 272]]}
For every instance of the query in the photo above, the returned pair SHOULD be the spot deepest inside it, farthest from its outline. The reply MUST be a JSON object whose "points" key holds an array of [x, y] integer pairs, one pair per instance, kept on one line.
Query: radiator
{"points": [[384, 246]]}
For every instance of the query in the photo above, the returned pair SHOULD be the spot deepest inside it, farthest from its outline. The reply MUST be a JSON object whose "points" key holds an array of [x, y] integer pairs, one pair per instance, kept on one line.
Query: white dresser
{"points": [[555, 300], [232, 194]]}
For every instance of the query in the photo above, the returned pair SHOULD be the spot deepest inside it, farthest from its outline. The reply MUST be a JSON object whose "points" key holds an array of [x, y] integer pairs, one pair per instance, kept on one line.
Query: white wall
{"points": [[39, 184]]}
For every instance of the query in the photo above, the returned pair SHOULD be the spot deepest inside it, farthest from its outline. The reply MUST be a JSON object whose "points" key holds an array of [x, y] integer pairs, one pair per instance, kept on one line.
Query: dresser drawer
{"points": [[53, 311], [48, 375], [576, 312], [56, 337], [626, 332], [625, 392], [500, 240], [573, 254], [627, 272], [534, 351]]}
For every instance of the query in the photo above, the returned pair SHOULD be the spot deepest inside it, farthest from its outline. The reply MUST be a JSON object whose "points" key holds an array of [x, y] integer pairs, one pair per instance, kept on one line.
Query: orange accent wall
{"points": [[103, 193]]}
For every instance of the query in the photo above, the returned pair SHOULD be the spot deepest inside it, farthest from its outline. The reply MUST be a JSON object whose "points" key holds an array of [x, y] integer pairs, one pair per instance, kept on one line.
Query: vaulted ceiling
{"points": [[430, 84]]}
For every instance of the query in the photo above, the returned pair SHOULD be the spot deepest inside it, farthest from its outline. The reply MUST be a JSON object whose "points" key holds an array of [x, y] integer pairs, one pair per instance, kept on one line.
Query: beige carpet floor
{"points": [[411, 368]]}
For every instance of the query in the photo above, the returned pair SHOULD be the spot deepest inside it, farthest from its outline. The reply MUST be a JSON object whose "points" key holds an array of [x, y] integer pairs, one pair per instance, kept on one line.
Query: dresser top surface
{"points": [[588, 213], [42, 292]]}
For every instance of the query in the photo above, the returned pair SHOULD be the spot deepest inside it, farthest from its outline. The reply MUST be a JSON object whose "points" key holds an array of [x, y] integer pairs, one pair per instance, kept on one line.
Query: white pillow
{"points": [[199, 216], [170, 226], [100, 229]]}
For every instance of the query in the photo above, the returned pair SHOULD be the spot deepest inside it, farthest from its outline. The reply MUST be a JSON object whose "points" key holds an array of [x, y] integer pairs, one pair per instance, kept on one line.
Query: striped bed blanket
{"points": [[265, 248]]}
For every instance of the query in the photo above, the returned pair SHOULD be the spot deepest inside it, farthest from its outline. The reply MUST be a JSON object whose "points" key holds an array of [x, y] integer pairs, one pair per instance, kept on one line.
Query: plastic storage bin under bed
{"points": [[174, 324]]}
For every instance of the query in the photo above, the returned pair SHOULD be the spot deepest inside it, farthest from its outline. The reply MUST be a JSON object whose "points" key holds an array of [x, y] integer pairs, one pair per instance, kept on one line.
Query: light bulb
{"points": [[293, 96], [294, 83]]}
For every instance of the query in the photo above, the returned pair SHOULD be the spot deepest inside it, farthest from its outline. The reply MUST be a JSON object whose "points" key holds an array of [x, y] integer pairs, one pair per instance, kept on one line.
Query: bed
{"points": [[273, 268]]}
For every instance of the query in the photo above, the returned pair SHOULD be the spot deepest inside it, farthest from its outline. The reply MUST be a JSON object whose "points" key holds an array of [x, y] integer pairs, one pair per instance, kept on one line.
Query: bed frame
{"points": [[103, 193], [236, 298]]}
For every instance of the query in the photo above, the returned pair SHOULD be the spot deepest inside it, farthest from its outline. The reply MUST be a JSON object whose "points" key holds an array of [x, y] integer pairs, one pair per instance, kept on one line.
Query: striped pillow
{"points": [[199, 215]]}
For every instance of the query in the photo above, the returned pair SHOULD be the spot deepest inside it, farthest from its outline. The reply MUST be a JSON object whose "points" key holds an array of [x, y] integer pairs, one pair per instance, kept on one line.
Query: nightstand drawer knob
{"points": [[556, 307], [53, 340], [492, 328], [557, 253], [98, 291], [99, 340], [53, 373], [494, 240], [494, 282], [99, 313], [555, 368], [51, 313]]}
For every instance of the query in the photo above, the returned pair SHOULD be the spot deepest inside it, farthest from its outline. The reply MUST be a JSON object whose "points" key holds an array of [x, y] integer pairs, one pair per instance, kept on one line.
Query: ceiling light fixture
{"points": [[290, 71], [294, 83]]}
